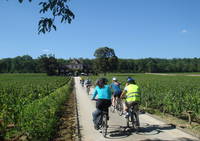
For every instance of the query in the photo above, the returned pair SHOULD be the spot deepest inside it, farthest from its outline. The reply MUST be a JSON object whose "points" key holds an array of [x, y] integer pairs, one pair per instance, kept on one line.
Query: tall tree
{"points": [[106, 60], [49, 64]]}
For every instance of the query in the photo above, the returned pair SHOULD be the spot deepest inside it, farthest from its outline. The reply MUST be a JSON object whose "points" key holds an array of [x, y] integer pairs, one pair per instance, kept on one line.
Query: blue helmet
{"points": [[130, 80]]}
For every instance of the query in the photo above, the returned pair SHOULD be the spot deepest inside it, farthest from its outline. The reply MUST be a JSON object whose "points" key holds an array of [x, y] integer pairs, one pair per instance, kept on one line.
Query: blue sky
{"points": [[133, 28]]}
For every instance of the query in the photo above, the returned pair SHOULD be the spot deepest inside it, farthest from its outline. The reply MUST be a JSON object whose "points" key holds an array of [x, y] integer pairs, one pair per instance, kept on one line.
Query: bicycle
{"points": [[118, 106], [133, 117], [103, 123], [88, 88], [82, 83]]}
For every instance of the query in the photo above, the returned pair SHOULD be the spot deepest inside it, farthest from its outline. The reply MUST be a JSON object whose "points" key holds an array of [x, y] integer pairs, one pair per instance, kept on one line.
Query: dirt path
{"points": [[151, 129], [66, 128]]}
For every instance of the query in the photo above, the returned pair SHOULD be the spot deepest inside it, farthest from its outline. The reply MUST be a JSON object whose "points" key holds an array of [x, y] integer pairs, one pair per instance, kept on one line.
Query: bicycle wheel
{"points": [[135, 121], [128, 120], [104, 125], [113, 108], [119, 107]]}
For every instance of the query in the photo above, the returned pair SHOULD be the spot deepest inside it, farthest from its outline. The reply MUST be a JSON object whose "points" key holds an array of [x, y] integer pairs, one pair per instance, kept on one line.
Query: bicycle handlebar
{"points": [[94, 99]]}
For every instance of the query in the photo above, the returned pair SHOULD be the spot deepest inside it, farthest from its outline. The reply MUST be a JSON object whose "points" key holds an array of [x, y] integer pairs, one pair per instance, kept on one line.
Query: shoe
{"points": [[126, 114], [96, 127], [107, 117]]}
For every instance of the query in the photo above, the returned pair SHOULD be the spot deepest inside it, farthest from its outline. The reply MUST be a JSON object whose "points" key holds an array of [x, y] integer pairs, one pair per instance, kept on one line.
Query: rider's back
{"points": [[115, 86], [103, 93]]}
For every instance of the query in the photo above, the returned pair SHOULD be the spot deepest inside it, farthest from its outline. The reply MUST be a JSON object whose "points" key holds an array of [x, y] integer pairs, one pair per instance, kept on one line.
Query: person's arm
{"points": [[111, 85], [124, 92], [94, 94]]}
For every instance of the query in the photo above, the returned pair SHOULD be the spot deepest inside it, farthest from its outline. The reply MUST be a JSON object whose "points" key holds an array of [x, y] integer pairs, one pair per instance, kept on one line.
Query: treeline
{"points": [[155, 65], [50, 64]]}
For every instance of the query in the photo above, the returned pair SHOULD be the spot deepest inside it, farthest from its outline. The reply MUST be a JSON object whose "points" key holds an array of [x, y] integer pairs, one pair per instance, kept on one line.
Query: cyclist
{"points": [[88, 83], [82, 80], [103, 91], [115, 86], [132, 97]]}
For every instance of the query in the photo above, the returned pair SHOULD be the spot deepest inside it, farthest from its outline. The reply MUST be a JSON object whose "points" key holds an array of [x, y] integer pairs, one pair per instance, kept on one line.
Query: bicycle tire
{"points": [[119, 108], [104, 125], [132, 116], [127, 121], [136, 123]]}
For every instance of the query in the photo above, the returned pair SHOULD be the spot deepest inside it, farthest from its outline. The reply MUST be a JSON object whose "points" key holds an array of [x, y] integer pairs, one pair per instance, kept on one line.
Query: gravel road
{"points": [[151, 129]]}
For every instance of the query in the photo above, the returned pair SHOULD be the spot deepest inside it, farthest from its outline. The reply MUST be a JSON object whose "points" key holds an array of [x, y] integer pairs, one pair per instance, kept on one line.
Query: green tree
{"points": [[106, 60], [57, 9], [49, 64]]}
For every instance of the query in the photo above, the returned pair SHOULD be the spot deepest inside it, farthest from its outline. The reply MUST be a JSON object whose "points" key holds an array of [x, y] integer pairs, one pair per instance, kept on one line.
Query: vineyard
{"points": [[176, 95], [28, 104]]}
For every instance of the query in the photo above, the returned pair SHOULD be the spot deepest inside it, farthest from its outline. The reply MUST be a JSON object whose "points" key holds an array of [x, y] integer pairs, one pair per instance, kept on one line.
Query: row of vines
{"points": [[28, 104], [176, 95]]}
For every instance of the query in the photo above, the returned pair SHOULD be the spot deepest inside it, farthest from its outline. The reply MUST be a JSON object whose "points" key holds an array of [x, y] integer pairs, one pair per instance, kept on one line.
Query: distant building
{"points": [[75, 67], [75, 64]]}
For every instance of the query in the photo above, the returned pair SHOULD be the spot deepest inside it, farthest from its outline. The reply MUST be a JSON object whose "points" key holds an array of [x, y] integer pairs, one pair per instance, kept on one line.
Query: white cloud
{"points": [[45, 50], [184, 31]]}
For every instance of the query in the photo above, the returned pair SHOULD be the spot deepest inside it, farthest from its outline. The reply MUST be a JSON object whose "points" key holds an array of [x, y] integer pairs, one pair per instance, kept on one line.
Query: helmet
{"points": [[104, 80], [130, 80], [114, 79]]}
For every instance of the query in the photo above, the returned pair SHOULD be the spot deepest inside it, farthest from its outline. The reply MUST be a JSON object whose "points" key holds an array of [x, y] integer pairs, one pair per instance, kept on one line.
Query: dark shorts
{"points": [[103, 104], [135, 104], [117, 93]]}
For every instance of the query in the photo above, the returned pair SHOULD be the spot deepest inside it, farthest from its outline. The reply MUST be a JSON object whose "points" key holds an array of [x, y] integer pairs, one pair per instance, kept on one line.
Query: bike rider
{"points": [[103, 91], [132, 97], [88, 82], [82, 80], [115, 86]]}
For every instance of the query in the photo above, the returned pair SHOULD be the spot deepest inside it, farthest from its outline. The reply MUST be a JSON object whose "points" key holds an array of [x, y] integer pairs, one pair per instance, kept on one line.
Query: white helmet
{"points": [[114, 79]]}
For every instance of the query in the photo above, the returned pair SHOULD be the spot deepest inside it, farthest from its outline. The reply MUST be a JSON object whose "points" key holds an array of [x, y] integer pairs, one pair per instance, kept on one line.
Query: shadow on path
{"points": [[119, 132], [178, 139], [154, 129]]}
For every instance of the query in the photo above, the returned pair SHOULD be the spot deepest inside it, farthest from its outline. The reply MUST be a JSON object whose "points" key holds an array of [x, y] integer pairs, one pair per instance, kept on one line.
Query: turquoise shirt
{"points": [[103, 93]]}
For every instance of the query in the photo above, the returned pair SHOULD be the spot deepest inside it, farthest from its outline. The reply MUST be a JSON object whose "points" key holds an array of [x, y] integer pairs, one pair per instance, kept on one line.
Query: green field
{"points": [[176, 95], [29, 102]]}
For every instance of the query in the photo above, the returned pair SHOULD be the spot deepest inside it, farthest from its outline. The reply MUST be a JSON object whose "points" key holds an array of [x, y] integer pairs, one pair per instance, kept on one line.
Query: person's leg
{"points": [[118, 99], [136, 109], [126, 106], [106, 105], [114, 100], [96, 118], [95, 115]]}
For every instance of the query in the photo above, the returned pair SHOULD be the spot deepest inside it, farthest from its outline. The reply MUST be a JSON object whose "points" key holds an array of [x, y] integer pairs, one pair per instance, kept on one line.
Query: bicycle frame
{"points": [[104, 121], [132, 117]]}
